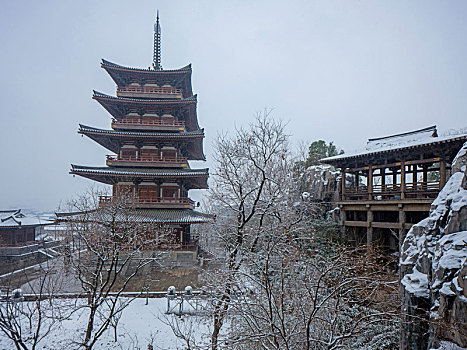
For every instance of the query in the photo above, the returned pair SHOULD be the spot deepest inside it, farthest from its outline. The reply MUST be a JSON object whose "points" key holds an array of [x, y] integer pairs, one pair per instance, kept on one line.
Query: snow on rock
{"points": [[320, 183], [434, 271], [460, 160], [416, 283]]}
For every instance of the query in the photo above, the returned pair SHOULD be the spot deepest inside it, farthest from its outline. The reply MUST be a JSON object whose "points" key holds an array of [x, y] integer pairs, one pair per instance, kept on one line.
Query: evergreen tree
{"points": [[319, 150]]}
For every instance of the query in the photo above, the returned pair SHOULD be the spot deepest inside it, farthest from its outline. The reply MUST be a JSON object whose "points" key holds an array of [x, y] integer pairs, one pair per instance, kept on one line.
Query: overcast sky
{"points": [[336, 70]]}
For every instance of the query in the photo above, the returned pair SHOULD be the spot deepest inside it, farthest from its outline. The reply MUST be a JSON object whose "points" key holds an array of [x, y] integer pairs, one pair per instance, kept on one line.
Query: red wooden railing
{"points": [[147, 159], [148, 122], [163, 200], [150, 90]]}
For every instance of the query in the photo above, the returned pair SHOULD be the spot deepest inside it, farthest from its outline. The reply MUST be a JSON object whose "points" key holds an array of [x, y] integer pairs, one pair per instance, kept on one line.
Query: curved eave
{"points": [[349, 160], [197, 177], [122, 75], [118, 107], [144, 216], [111, 139]]}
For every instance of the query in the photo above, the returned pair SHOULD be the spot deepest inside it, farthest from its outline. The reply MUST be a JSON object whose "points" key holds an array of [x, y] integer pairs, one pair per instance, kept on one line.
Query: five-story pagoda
{"points": [[154, 133]]}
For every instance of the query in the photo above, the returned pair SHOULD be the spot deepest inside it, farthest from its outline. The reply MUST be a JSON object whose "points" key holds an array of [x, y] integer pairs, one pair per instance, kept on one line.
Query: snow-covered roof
{"points": [[159, 216], [15, 218], [394, 143]]}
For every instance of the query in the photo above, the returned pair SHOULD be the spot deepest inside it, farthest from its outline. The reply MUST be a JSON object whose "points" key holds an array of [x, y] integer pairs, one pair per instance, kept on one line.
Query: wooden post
{"points": [[369, 228], [370, 182], [383, 179], [343, 184], [402, 220], [442, 173], [425, 174], [357, 180], [402, 180]]}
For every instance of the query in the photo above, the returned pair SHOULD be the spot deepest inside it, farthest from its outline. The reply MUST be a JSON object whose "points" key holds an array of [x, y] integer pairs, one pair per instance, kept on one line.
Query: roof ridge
{"points": [[179, 133], [101, 94], [116, 65], [430, 128]]}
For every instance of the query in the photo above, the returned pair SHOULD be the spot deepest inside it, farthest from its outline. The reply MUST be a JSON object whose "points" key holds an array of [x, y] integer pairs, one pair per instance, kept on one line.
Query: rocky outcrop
{"points": [[433, 269], [320, 183]]}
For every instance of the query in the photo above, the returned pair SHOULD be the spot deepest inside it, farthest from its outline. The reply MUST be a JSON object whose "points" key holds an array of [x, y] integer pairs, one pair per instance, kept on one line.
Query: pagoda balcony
{"points": [[147, 161], [154, 92], [421, 189], [159, 203], [152, 125]]}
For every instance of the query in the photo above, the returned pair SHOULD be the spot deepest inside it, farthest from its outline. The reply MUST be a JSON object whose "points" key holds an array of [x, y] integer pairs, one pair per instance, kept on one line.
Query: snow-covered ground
{"points": [[139, 326]]}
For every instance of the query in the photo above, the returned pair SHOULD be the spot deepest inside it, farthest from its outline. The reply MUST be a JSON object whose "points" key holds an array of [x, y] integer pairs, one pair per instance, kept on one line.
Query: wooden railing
{"points": [[150, 90], [147, 159], [167, 200], [103, 200], [178, 246], [393, 191], [160, 123]]}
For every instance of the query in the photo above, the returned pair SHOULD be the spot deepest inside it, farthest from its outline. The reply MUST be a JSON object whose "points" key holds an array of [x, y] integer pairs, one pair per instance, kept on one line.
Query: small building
{"points": [[17, 228], [390, 186], [19, 245]]}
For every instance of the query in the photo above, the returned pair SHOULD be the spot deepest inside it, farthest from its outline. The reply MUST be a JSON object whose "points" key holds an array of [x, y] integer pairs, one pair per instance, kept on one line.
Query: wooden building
{"points": [[154, 134], [18, 229], [390, 186]]}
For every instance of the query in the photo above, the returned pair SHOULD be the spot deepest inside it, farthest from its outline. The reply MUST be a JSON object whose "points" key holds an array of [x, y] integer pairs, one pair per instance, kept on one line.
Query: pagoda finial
{"points": [[156, 59]]}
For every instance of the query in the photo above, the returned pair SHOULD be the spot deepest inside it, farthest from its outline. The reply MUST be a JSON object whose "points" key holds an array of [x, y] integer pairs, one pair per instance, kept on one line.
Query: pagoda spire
{"points": [[156, 59]]}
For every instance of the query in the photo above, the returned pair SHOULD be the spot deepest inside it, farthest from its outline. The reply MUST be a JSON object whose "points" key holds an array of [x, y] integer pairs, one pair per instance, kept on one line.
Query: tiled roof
{"points": [[157, 216], [106, 63], [85, 128], [139, 171], [97, 94], [411, 144], [14, 218]]}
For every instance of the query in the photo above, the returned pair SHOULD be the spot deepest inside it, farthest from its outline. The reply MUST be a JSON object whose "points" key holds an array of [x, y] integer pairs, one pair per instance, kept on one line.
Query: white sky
{"points": [[336, 70]]}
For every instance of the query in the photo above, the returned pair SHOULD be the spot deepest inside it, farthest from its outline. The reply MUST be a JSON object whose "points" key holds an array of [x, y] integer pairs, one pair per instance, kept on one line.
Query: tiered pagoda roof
{"points": [[111, 139], [123, 76], [110, 175], [118, 107], [164, 216]]}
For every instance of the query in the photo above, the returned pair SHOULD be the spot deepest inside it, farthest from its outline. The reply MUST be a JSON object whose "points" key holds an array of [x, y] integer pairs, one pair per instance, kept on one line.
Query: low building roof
{"points": [[15, 218]]}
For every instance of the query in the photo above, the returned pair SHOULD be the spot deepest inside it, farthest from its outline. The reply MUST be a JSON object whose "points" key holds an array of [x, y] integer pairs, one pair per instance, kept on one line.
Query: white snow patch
{"points": [[446, 289], [416, 283], [139, 326]]}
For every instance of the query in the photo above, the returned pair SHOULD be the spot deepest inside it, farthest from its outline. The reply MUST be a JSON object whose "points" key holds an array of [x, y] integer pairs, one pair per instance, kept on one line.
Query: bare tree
{"points": [[273, 285], [112, 246], [27, 323], [252, 167]]}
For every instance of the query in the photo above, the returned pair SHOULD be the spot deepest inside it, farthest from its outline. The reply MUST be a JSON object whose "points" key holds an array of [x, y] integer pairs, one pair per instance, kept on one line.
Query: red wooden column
{"points": [[370, 182], [402, 180]]}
